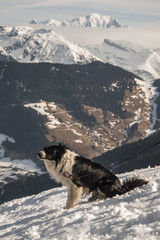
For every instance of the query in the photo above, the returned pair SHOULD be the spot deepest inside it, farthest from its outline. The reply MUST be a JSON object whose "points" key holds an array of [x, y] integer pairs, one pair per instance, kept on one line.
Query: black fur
{"points": [[53, 152], [97, 178], [86, 174]]}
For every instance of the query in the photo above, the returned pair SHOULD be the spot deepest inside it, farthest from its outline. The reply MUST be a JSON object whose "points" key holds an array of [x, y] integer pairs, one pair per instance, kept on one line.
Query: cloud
{"points": [[118, 7], [134, 7], [125, 10]]}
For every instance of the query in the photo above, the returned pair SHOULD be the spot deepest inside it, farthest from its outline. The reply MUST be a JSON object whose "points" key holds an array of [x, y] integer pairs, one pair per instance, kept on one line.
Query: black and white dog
{"points": [[82, 175]]}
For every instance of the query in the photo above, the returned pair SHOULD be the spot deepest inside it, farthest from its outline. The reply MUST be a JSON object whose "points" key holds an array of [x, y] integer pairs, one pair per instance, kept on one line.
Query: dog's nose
{"points": [[41, 155]]}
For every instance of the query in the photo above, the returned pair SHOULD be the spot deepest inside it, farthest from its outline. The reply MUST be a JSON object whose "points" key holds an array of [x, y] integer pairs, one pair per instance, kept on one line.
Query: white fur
{"points": [[67, 162]]}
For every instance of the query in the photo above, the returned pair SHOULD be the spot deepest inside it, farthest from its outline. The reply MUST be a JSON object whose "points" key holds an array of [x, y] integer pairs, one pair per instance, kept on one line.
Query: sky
{"points": [[129, 12]]}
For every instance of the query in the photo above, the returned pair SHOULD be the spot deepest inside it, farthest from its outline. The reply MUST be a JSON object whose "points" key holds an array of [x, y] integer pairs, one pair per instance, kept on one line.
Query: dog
{"points": [[82, 175]]}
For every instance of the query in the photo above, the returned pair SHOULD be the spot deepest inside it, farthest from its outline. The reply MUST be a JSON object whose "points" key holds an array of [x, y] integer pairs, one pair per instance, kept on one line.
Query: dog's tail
{"points": [[132, 183]]}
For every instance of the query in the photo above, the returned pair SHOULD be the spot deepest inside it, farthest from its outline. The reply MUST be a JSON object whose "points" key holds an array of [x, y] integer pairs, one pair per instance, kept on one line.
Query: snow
{"points": [[142, 61], [151, 95], [35, 44], [73, 42], [135, 215], [94, 20], [4, 138], [2, 73], [46, 109], [10, 169], [79, 141]]}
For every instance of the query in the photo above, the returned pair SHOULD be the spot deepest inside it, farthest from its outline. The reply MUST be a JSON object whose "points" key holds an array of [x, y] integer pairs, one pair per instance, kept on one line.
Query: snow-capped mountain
{"points": [[4, 56], [27, 44], [135, 215], [35, 43], [144, 62], [93, 20]]}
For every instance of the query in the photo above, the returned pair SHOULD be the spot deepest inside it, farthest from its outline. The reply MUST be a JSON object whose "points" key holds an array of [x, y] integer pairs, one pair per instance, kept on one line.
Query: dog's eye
{"points": [[49, 150]]}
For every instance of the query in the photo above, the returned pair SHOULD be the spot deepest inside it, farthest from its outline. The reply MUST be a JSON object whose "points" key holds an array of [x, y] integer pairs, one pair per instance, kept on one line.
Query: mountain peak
{"points": [[91, 20], [28, 44], [97, 20], [33, 21]]}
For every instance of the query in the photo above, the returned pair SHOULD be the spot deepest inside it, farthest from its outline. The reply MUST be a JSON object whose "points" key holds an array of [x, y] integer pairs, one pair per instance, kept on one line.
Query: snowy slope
{"points": [[144, 62], [27, 44], [91, 20], [4, 56], [135, 215]]}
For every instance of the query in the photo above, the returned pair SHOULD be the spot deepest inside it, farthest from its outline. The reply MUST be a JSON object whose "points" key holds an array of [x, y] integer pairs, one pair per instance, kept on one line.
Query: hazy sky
{"points": [[129, 12]]}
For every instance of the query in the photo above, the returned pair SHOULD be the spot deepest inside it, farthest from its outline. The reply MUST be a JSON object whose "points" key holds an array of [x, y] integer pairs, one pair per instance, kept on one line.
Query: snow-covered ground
{"points": [[133, 216]]}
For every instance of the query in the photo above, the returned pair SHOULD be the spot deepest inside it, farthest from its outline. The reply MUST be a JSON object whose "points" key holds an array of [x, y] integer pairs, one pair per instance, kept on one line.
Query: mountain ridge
{"points": [[91, 20], [44, 43], [26, 44], [98, 106]]}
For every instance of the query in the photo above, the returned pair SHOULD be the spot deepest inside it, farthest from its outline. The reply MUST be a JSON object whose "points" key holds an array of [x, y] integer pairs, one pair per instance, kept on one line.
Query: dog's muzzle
{"points": [[41, 155]]}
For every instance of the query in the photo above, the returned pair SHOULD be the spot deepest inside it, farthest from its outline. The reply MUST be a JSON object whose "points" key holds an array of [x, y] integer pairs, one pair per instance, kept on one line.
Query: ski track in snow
{"points": [[133, 216]]}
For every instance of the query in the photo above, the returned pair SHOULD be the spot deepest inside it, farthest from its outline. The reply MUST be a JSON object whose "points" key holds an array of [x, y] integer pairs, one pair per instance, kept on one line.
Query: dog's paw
{"points": [[68, 206]]}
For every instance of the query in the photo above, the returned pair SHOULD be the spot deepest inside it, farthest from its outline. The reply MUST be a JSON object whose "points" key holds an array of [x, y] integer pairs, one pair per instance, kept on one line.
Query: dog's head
{"points": [[52, 152]]}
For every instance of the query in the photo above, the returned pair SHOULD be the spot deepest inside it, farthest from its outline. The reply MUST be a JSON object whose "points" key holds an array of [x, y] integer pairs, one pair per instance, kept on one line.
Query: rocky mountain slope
{"points": [[140, 154], [93, 108]]}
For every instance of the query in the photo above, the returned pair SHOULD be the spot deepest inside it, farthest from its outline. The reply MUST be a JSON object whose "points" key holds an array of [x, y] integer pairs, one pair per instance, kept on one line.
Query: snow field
{"points": [[133, 216]]}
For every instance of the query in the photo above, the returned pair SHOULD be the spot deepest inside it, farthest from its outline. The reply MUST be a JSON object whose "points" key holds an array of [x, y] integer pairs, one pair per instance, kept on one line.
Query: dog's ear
{"points": [[62, 147], [60, 151]]}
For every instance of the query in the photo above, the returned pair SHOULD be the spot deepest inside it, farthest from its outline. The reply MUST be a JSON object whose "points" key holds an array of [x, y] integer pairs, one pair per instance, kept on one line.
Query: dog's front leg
{"points": [[74, 195]]}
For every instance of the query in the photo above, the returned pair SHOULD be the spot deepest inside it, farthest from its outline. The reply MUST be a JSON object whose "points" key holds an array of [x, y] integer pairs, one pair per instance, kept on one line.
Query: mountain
{"points": [[142, 61], [4, 57], [140, 154], [37, 43], [92, 20], [92, 108], [27, 44], [135, 215]]}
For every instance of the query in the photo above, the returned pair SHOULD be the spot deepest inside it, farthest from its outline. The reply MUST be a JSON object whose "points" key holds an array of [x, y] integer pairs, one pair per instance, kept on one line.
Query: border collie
{"points": [[82, 175]]}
